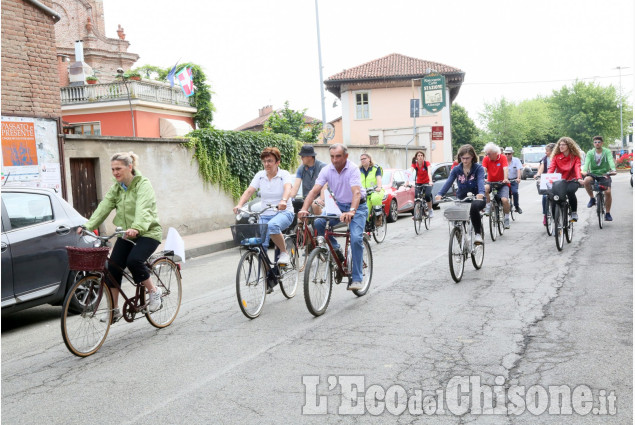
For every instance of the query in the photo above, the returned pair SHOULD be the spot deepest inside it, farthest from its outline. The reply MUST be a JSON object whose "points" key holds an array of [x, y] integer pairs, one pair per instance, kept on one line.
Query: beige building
{"points": [[375, 99]]}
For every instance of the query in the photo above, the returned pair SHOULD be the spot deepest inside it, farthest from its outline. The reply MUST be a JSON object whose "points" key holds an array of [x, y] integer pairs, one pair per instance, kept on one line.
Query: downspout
{"points": [[53, 14]]}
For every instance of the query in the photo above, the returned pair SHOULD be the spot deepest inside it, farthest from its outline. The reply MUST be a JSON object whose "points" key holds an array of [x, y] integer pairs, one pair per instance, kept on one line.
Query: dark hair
{"points": [[270, 152], [467, 149], [598, 138]]}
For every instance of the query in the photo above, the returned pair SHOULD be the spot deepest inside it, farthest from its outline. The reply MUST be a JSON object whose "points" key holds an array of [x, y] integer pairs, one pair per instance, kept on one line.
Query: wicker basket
{"points": [[249, 234], [87, 259], [460, 212]]}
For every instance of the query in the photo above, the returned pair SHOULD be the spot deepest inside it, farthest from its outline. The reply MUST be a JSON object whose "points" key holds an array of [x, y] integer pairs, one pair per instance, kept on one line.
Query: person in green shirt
{"points": [[132, 196], [599, 161]]}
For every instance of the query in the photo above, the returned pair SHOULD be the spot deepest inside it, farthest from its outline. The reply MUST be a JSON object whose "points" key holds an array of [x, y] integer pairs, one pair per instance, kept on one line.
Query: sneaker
{"points": [[269, 289], [506, 223], [116, 316], [430, 214], [608, 217], [284, 258], [574, 216], [519, 210], [478, 239], [488, 208], [591, 203], [355, 286], [544, 220], [155, 300], [340, 255]]}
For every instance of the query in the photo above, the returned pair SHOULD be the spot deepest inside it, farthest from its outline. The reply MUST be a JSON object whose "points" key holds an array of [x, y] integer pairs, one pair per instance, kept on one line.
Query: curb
{"points": [[208, 249]]}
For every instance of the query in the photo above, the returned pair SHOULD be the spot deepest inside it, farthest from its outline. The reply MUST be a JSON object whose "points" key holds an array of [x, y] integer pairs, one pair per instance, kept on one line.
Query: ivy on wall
{"points": [[232, 158]]}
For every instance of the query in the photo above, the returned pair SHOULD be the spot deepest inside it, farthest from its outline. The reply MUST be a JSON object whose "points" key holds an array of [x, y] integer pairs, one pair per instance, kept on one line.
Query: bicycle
{"points": [[84, 333], [563, 222], [462, 238], [420, 212], [600, 202], [377, 214], [324, 267], [256, 273], [549, 222], [497, 214]]}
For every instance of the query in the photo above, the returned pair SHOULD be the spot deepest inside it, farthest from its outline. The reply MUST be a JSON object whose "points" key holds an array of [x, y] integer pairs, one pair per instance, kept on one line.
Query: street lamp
{"points": [[125, 83], [620, 68]]}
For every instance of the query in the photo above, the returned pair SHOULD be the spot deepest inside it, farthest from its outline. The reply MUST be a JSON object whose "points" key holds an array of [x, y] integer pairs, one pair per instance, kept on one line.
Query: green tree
{"points": [[294, 124], [584, 110], [464, 131], [502, 124], [536, 121]]}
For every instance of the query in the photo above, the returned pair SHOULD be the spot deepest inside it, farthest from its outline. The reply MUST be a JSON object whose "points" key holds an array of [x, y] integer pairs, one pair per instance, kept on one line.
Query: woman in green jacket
{"points": [[133, 199]]}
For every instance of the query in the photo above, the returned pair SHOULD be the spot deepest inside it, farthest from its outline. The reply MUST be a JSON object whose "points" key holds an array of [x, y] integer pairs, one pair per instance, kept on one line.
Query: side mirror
{"points": [[436, 177], [397, 185]]}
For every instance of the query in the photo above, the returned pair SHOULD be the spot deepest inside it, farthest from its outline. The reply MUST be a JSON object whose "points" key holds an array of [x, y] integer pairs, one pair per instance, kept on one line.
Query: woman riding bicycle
{"points": [[275, 186], [133, 199], [421, 166], [542, 168], [566, 160], [470, 177], [371, 177]]}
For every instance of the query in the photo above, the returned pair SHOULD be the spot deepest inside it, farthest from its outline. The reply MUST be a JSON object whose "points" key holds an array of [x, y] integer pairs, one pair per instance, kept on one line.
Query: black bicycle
{"points": [[497, 214], [256, 273], [421, 212], [563, 221], [598, 189], [549, 223]]}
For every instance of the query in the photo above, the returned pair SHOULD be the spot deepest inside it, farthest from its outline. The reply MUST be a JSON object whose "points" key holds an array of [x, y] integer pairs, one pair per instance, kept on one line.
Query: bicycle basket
{"points": [[87, 259], [459, 212], [559, 188], [541, 191], [249, 234]]}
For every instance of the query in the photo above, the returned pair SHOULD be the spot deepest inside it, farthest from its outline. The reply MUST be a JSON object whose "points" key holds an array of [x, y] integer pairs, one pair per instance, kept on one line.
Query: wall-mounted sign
{"points": [[433, 92], [414, 108], [437, 132]]}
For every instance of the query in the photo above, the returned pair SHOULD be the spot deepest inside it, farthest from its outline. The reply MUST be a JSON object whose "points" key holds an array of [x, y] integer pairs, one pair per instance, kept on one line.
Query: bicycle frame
{"points": [[328, 232]]}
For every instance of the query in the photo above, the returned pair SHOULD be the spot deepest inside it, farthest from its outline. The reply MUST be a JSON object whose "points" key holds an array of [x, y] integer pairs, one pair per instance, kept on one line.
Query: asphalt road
{"points": [[532, 319]]}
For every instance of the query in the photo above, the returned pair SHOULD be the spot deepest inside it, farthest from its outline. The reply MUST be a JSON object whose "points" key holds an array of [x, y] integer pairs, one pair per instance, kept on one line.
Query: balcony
{"points": [[152, 92]]}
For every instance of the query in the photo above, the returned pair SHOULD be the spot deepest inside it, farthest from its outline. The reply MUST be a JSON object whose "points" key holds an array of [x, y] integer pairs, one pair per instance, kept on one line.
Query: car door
{"points": [[439, 176], [7, 269], [39, 233]]}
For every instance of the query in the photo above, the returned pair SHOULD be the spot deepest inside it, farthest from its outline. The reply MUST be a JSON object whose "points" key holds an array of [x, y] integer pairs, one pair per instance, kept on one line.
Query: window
{"points": [[440, 173], [91, 128], [362, 105], [27, 209]]}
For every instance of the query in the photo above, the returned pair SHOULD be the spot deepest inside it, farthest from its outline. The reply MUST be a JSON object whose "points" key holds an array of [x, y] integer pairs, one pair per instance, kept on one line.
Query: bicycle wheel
{"points": [[318, 282], [500, 221], [511, 213], [289, 275], [600, 209], [478, 254], [550, 222], [418, 217], [85, 332], [427, 220], [303, 249], [367, 270], [568, 229], [493, 216], [167, 276], [559, 225], [251, 284], [379, 234], [455, 253]]}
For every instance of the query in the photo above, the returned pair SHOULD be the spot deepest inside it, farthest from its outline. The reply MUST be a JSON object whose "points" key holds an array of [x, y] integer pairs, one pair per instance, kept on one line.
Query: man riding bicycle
{"points": [[514, 173], [599, 161], [344, 181], [497, 168], [306, 175]]}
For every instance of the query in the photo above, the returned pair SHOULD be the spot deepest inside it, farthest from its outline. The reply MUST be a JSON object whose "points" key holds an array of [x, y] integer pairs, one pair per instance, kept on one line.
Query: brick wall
{"points": [[30, 79]]}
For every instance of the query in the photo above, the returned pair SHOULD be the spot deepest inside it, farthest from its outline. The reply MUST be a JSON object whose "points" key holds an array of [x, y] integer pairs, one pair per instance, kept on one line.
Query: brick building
{"points": [[30, 82]]}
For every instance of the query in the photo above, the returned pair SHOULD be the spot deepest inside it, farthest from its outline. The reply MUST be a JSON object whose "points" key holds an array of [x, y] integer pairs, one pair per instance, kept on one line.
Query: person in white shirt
{"points": [[274, 185], [514, 173]]}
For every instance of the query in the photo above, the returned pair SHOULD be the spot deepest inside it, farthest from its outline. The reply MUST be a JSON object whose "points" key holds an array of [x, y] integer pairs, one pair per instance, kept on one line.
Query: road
{"points": [[532, 318]]}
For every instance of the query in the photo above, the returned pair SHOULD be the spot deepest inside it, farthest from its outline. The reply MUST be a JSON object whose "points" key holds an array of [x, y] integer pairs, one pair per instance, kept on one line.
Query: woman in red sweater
{"points": [[566, 160]]}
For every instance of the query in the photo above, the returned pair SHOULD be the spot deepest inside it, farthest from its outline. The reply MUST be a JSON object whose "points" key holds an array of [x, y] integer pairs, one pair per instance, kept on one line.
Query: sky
{"points": [[258, 53]]}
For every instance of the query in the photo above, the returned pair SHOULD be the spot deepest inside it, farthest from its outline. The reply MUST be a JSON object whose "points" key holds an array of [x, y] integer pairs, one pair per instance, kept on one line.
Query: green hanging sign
{"points": [[433, 92]]}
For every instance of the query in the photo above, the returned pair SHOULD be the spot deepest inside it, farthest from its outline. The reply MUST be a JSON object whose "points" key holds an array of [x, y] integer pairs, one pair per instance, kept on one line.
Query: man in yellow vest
{"points": [[371, 176]]}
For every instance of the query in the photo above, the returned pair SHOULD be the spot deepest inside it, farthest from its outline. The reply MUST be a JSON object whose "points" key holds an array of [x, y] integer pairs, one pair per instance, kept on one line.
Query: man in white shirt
{"points": [[514, 173]]}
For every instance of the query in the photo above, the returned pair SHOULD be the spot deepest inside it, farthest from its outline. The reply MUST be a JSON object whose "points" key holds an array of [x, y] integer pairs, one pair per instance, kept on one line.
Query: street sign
{"points": [[414, 108], [437, 132], [433, 92]]}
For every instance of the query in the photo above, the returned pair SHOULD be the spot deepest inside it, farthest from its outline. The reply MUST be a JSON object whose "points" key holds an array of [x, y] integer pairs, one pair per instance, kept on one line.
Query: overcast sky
{"points": [[258, 53]]}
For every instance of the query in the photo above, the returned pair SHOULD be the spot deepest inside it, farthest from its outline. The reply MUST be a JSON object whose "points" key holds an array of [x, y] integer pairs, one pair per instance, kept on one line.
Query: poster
{"points": [[30, 153]]}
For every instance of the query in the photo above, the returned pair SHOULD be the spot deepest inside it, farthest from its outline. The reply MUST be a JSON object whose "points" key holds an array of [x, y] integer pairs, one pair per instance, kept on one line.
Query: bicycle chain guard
{"points": [[129, 309]]}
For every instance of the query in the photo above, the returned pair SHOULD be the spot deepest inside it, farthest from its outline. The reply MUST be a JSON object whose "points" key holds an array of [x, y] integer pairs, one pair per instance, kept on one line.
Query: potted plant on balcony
{"points": [[91, 79], [133, 75]]}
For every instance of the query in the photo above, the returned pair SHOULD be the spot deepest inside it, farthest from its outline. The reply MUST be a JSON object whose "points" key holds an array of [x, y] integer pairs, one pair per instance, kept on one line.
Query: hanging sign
{"points": [[433, 92]]}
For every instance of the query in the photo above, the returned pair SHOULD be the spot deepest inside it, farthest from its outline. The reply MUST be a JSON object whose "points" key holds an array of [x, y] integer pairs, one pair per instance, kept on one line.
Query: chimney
{"points": [[265, 110], [79, 70]]}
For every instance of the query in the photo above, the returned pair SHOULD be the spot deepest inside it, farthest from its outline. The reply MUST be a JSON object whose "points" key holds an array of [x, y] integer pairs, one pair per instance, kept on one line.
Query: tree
{"points": [[584, 110], [294, 124], [464, 131], [502, 124]]}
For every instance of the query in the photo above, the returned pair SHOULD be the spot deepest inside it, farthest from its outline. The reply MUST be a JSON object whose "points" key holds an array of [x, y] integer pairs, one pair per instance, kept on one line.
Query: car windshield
{"points": [[385, 177], [533, 157]]}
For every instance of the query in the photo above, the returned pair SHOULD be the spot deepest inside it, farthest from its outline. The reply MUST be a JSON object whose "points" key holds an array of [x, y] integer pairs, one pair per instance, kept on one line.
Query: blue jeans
{"points": [[514, 185], [277, 223], [357, 236]]}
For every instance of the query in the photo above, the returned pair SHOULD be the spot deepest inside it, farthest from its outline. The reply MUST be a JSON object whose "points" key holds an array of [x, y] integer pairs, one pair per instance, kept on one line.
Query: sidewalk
{"points": [[206, 243]]}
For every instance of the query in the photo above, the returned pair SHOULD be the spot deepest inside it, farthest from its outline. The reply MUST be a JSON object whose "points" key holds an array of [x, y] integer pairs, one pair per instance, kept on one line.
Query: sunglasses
{"points": [[598, 141]]}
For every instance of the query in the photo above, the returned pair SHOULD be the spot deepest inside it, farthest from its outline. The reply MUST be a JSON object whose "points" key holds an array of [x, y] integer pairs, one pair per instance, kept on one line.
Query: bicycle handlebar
{"points": [[118, 232]]}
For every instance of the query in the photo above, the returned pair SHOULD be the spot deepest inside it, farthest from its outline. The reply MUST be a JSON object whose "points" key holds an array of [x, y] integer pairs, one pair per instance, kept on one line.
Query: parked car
{"points": [[439, 173], [37, 225], [399, 198]]}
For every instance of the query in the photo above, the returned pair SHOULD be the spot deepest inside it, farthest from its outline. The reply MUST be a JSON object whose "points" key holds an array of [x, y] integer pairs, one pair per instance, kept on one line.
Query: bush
{"points": [[232, 158], [624, 161]]}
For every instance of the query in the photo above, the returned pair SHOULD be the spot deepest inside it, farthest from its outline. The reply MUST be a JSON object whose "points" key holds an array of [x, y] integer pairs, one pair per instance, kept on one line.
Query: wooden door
{"points": [[84, 185]]}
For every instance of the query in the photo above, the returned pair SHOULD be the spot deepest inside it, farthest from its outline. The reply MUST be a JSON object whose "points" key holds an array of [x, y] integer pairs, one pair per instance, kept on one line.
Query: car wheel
{"points": [[394, 214]]}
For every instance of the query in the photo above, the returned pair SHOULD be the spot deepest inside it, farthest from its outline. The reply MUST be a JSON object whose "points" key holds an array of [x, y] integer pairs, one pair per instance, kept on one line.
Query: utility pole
{"points": [[317, 22], [620, 68]]}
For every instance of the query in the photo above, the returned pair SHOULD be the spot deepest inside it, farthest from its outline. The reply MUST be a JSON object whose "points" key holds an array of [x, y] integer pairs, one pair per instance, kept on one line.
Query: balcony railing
{"points": [[72, 95]]}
